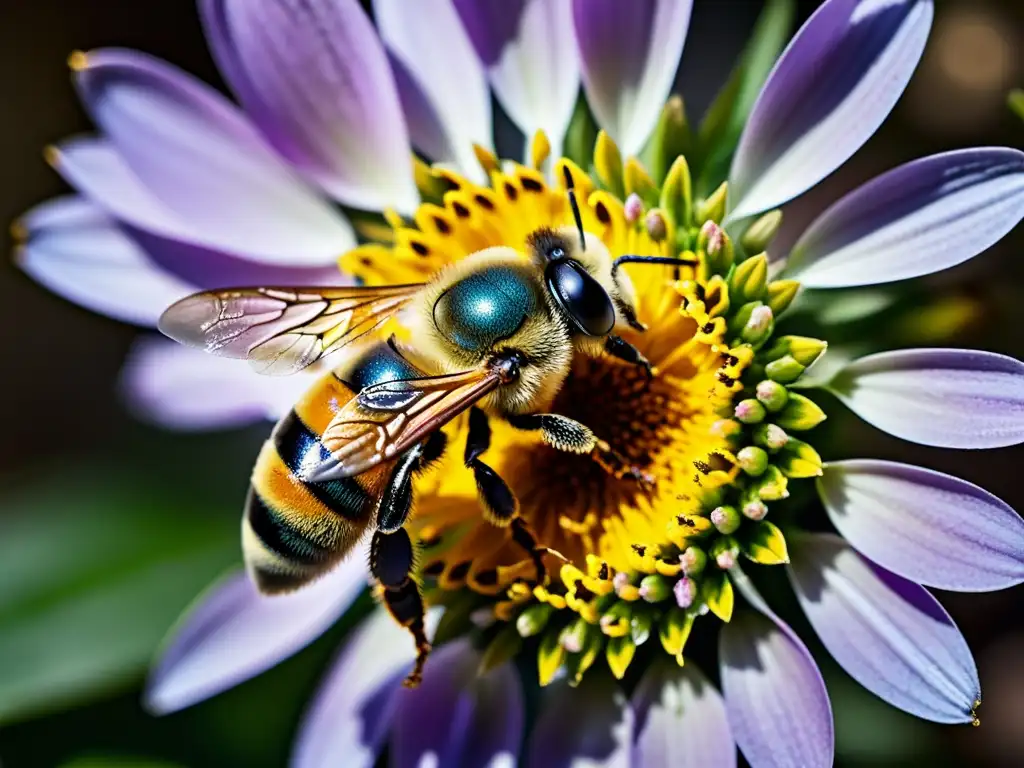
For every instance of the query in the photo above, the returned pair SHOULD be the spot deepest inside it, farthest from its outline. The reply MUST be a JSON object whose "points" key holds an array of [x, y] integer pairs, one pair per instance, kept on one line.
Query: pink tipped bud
{"points": [[759, 324], [749, 411], [715, 237], [633, 208], [755, 510], [685, 591], [726, 429], [620, 581], [725, 560], [657, 227]]}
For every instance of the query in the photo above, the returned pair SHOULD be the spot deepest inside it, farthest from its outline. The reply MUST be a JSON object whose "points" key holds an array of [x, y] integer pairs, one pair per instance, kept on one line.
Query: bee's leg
{"points": [[501, 504], [616, 346], [565, 434], [391, 562], [397, 498]]}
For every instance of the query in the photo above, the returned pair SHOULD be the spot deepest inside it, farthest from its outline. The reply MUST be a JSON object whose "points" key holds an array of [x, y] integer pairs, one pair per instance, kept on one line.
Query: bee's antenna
{"points": [[570, 184], [651, 260]]}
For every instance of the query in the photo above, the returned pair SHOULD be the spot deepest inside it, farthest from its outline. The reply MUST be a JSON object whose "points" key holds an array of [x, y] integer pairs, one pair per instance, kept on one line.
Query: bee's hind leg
{"points": [[391, 562], [565, 434], [392, 556], [501, 505]]}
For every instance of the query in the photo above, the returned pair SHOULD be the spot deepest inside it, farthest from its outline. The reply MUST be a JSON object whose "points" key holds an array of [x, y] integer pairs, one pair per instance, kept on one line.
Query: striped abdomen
{"points": [[294, 531]]}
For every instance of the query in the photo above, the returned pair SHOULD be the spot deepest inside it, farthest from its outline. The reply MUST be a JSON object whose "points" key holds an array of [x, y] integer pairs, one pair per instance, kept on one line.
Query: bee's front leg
{"points": [[618, 347], [500, 504], [565, 434]]}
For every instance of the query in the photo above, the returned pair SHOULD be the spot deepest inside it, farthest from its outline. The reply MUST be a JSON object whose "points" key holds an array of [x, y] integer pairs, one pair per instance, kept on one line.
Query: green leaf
{"points": [[97, 566], [800, 414], [116, 762], [722, 125], [1015, 101]]}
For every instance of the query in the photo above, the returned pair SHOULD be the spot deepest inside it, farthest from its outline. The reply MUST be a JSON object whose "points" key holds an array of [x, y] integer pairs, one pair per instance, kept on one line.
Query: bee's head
{"points": [[583, 279]]}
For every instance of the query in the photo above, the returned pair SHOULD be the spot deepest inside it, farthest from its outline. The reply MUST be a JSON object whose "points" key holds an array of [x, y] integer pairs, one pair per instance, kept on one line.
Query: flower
{"points": [[187, 191]]}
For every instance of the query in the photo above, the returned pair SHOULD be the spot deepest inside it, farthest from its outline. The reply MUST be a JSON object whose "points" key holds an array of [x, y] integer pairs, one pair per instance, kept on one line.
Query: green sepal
{"points": [[798, 460], [608, 164], [578, 663], [503, 647], [723, 124], [581, 135], [781, 294], [760, 234], [748, 281], [801, 413], [718, 595], [677, 195], [772, 485], [764, 543], [714, 207], [671, 139], [674, 630], [619, 651], [550, 656], [638, 181]]}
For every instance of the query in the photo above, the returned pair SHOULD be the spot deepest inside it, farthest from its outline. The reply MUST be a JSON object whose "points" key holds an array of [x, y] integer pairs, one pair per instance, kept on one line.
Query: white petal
{"points": [[950, 398], [920, 218], [78, 252], [428, 40]]}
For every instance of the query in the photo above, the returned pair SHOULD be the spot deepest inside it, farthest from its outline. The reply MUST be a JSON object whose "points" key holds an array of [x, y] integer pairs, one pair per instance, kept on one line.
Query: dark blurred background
{"points": [[109, 528]]}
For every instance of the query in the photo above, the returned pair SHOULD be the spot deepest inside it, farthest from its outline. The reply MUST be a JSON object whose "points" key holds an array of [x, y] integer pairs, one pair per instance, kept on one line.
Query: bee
{"points": [[493, 334]]}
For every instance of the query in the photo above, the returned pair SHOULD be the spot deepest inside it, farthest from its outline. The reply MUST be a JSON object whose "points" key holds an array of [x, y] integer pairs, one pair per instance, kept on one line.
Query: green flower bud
{"points": [[753, 461], [781, 294], [693, 560], [725, 518], [633, 208], [799, 460], [640, 626], [750, 411], [749, 279], [533, 620], [654, 588], [608, 164], [574, 635], [771, 437], [711, 239], [803, 349], [760, 234], [799, 414], [638, 181], [671, 138], [785, 370], [760, 325], [677, 195], [713, 209], [772, 395], [619, 653], [772, 485], [674, 630], [755, 509]]}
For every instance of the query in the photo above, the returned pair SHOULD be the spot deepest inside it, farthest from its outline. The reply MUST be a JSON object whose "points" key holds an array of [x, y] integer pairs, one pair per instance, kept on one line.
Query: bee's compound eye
{"points": [[583, 299]]}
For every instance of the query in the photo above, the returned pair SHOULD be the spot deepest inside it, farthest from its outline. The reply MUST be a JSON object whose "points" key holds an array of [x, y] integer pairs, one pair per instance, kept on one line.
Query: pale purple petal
{"points": [[888, 633], [455, 718], [349, 719], [926, 526], [923, 217], [432, 48], [529, 51], [233, 633], [180, 388], [629, 53], [74, 249], [315, 79], [950, 398], [777, 704], [590, 726], [828, 93], [680, 720], [206, 164]]}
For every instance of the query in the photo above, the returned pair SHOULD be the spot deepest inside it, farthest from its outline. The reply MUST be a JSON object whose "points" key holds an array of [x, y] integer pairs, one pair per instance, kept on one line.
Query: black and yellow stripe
{"points": [[293, 531]]}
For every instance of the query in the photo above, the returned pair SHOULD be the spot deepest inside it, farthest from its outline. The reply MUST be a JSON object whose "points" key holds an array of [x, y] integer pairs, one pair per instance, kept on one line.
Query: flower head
{"points": [[648, 539]]}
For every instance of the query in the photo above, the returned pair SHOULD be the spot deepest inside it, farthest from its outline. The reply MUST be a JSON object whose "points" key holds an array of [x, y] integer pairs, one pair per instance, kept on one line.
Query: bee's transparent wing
{"points": [[282, 330], [387, 419]]}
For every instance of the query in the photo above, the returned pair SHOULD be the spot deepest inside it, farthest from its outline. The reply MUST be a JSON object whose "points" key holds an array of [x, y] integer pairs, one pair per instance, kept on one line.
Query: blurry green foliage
{"points": [[97, 565], [116, 762]]}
